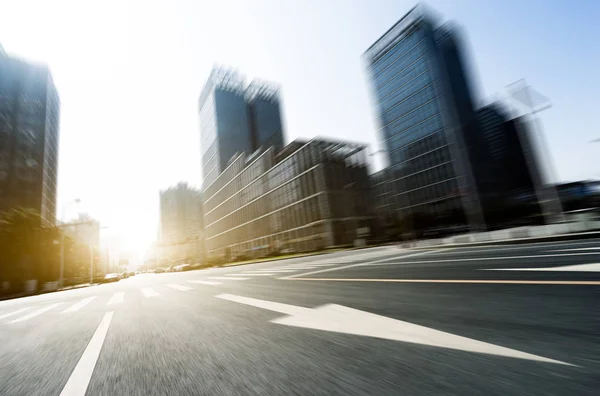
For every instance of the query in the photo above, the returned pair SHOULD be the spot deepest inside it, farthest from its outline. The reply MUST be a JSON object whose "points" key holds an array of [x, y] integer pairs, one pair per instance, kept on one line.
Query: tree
{"points": [[29, 246]]}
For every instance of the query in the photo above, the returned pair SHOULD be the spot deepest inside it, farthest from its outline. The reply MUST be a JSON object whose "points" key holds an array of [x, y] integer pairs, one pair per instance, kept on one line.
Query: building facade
{"points": [[439, 166], [29, 123], [181, 231], [309, 196], [236, 118]]}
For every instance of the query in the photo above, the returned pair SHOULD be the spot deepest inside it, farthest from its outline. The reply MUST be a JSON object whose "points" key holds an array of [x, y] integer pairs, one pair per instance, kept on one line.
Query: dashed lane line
{"points": [[76, 307]]}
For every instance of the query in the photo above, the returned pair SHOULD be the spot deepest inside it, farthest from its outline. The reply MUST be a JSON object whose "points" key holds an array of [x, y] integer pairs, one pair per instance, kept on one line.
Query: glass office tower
{"points": [[29, 123], [235, 118], [425, 114]]}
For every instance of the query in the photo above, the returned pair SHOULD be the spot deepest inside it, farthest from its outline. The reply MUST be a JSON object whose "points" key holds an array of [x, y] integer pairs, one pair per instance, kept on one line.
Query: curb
{"points": [[515, 241]]}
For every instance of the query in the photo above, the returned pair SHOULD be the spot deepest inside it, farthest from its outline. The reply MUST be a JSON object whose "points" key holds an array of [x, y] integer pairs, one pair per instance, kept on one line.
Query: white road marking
{"points": [[340, 319], [232, 277], [117, 298], [258, 274], [277, 270], [79, 305], [595, 267], [358, 264], [149, 292], [481, 259], [36, 313], [179, 287], [576, 249], [18, 311], [202, 282], [81, 375]]}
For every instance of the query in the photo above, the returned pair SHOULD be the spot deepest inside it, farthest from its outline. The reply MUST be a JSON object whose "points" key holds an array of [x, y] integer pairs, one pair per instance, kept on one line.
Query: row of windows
{"points": [[414, 133], [429, 145], [418, 82], [412, 102], [401, 46], [384, 88], [300, 214], [439, 190], [238, 207], [407, 58], [412, 118]]}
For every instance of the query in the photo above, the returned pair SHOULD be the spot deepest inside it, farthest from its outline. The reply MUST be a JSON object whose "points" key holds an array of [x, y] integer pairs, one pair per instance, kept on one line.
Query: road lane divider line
{"points": [[203, 282], [592, 267], [234, 277], [486, 258], [117, 298], [82, 374], [18, 311], [179, 287], [36, 313], [76, 307], [258, 274], [357, 265], [460, 281], [149, 292]]}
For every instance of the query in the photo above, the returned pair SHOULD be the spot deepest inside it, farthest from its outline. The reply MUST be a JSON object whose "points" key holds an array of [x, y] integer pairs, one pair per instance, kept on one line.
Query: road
{"points": [[494, 320]]}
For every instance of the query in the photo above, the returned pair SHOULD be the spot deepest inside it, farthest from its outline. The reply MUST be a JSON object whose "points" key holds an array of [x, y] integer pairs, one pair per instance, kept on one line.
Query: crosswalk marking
{"points": [[79, 305], [117, 298], [226, 278], [149, 292], [179, 287], [202, 282], [36, 313], [18, 311], [230, 277]]}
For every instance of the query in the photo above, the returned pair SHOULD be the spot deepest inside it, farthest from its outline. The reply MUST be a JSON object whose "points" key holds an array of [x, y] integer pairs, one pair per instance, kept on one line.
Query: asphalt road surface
{"points": [[493, 320]]}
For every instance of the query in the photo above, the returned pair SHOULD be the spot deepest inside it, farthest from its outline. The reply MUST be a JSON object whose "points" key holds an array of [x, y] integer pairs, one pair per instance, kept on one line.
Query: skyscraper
{"points": [[428, 125], [236, 118], [29, 122]]}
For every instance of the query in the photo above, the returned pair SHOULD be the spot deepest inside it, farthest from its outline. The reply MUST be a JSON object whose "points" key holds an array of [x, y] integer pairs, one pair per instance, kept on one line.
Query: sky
{"points": [[129, 74]]}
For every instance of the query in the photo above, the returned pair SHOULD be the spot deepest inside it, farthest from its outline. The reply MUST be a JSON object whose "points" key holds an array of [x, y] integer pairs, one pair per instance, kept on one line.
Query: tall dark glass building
{"points": [[29, 122], [428, 125], [234, 119]]}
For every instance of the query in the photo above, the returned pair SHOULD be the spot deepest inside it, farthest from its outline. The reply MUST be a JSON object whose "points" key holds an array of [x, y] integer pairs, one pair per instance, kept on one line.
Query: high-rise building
{"points": [[181, 230], [428, 124], [29, 122], [234, 119]]}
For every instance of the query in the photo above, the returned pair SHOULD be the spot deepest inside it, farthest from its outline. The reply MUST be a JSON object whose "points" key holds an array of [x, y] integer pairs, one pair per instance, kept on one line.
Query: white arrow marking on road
{"points": [[563, 268], [201, 282], [179, 287], [80, 377], [36, 313], [79, 305], [18, 311], [340, 319], [117, 298]]}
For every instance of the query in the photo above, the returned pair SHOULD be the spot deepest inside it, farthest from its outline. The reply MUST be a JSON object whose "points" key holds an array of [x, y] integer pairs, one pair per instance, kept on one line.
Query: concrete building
{"points": [[310, 195], [181, 236], [29, 122], [236, 118]]}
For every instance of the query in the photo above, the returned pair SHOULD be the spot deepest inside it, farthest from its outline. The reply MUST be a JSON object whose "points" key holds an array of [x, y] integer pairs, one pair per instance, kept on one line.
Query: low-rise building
{"points": [[311, 195]]}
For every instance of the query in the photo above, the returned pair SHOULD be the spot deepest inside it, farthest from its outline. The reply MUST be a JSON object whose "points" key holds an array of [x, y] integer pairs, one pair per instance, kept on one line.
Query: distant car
{"points": [[159, 270], [111, 278], [182, 267], [124, 275]]}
